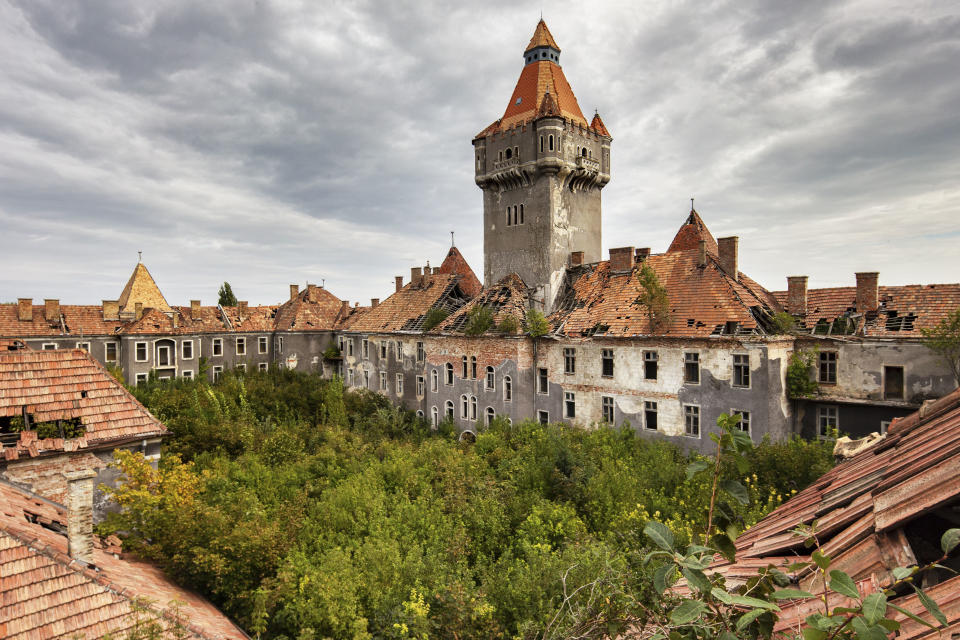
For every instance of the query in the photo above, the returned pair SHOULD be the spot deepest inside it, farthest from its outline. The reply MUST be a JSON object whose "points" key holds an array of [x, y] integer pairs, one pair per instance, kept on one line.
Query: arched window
{"points": [[509, 153], [434, 381], [490, 415], [583, 152], [514, 214], [448, 409], [521, 214], [489, 382], [448, 370], [473, 407], [473, 367], [464, 362], [419, 413], [550, 142], [516, 152], [464, 407], [507, 389], [434, 416]]}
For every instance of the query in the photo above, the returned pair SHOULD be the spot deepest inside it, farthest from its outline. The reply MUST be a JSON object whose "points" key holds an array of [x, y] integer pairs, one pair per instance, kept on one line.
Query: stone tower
{"points": [[541, 167]]}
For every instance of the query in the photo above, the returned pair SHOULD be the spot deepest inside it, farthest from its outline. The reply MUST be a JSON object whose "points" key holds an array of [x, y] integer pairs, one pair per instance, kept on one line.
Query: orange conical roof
{"points": [[691, 233], [598, 126], [455, 263], [542, 38]]}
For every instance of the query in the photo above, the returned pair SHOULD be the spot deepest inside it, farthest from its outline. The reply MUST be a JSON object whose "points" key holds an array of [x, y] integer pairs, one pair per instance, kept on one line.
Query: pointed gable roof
{"points": [[536, 80], [142, 288], [455, 263], [542, 38], [691, 233], [597, 125]]}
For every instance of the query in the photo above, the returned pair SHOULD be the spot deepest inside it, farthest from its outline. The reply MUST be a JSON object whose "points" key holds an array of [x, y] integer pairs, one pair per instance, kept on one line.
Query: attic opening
{"points": [[923, 534], [12, 426]]}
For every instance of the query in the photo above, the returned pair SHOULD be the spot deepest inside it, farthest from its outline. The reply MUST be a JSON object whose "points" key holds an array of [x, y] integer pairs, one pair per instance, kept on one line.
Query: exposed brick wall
{"points": [[797, 295], [44, 476], [867, 291]]}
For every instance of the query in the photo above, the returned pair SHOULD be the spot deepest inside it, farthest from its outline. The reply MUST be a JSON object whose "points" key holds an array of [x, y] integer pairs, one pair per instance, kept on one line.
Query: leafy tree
{"points": [[944, 340], [783, 323], [537, 324], [508, 325], [479, 320], [434, 317], [654, 298], [800, 384], [225, 296]]}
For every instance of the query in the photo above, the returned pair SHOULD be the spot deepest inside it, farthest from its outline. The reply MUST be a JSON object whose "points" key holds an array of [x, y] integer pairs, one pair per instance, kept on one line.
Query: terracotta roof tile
{"points": [[68, 384], [456, 264], [599, 301], [691, 232], [314, 309], [537, 79], [597, 125], [542, 38], [406, 309], [506, 298], [142, 288], [46, 594], [78, 320]]}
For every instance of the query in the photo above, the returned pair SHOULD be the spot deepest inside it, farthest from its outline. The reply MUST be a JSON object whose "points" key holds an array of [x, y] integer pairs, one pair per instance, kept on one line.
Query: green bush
{"points": [[537, 324], [479, 320], [434, 317]]}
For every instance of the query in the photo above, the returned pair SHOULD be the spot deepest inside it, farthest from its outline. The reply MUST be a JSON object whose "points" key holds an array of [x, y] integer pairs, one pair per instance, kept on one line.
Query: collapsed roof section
{"points": [[507, 298], [406, 310]]}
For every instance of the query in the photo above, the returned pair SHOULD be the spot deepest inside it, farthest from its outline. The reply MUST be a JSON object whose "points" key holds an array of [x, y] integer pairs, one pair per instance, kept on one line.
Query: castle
{"points": [[717, 347]]}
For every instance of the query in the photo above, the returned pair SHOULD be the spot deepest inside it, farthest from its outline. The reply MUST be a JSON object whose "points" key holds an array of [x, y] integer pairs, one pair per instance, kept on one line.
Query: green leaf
{"points": [[822, 560], [865, 631], [842, 584], [912, 616], [613, 629], [697, 579], [797, 566], [780, 579], [889, 625], [949, 540], [721, 595], [874, 607], [663, 577], [757, 603], [660, 534], [811, 633], [726, 635], [687, 612], [696, 467], [791, 594], [749, 617], [899, 573], [725, 546], [737, 490], [930, 605]]}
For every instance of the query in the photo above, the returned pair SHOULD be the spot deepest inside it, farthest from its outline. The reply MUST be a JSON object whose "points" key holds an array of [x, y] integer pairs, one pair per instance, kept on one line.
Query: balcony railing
{"points": [[588, 163]]}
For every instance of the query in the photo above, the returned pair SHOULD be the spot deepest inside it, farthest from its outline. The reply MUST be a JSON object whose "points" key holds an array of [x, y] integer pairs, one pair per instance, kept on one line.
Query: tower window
{"points": [[541, 144], [500, 156], [509, 217], [509, 153], [521, 214], [583, 152], [550, 142], [514, 214]]}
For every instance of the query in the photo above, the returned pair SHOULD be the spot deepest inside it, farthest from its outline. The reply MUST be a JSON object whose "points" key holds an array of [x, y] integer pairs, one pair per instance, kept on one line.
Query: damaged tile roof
{"points": [[506, 298], [45, 594], [885, 507], [313, 309], [542, 38], [455, 263], [407, 308], [67, 384], [691, 232], [703, 300], [903, 311], [142, 288]]}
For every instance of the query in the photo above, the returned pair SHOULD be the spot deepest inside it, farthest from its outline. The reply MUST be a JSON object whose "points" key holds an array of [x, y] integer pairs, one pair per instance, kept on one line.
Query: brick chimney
{"points": [[374, 302], [51, 310], [416, 275], [138, 310], [344, 307], [111, 310], [702, 253], [427, 270], [194, 309], [642, 253], [621, 259], [399, 281], [242, 309], [797, 295], [868, 295], [80, 514], [25, 309], [294, 291], [729, 248], [576, 258]]}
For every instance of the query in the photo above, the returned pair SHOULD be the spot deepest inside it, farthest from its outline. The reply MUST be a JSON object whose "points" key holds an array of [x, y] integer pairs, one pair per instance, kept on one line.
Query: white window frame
{"points": [[607, 355], [421, 351], [187, 374], [569, 400], [473, 408], [399, 384], [464, 406], [140, 377], [543, 381], [507, 389], [183, 350], [607, 402], [262, 344], [136, 352], [733, 380], [824, 412], [691, 357], [489, 414], [691, 411], [743, 414], [434, 381], [648, 406], [449, 410], [448, 374], [84, 345], [365, 349], [217, 371], [383, 380], [651, 356], [421, 386], [217, 346], [569, 361], [242, 366], [241, 346], [543, 417], [106, 351], [49, 346], [263, 366], [399, 350], [279, 344], [490, 379], [383, 349], [171, 359], [434, 416]]}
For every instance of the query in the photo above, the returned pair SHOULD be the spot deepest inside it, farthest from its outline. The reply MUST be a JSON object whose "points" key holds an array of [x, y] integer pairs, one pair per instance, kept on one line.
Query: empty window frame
{"points": [[434, 416], [691, 420], [366, 378], [448, 374], [509, 217], [606, 408], [489, 382], [464, 371], [383, 380], [543, 417], [399, 386], [263, 366], [473, 367], [489, 415], [507, 389], [464, 406], [569, 360], [85, 346], [142, 378], [217, 372], [650, 415], [399, 350], [606, 363], [448, 410], [828, 420], [421, 353], [139, 351], [241, 346], [421, 385], [365, 349], [186, 349], [741, 370], [350, 346], [279, 343], [242, 366], [383, 349], [434, 380], [262, 344], [744, 424], [569, 404], [650, 361], [691, 368], [217, 346], [521, 215], [163, 356], [550, 142], [473, 408], [110, 352], [893, 383], [186, 375], [49, 346], [543, 382]]}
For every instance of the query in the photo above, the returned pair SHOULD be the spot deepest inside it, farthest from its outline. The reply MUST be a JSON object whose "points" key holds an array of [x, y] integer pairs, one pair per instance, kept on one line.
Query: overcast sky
{"points": [[267, 143]]}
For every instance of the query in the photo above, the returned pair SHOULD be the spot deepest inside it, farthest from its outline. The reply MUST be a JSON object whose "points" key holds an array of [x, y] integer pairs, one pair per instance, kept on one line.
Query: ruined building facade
{"points": [[718, 347]]}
